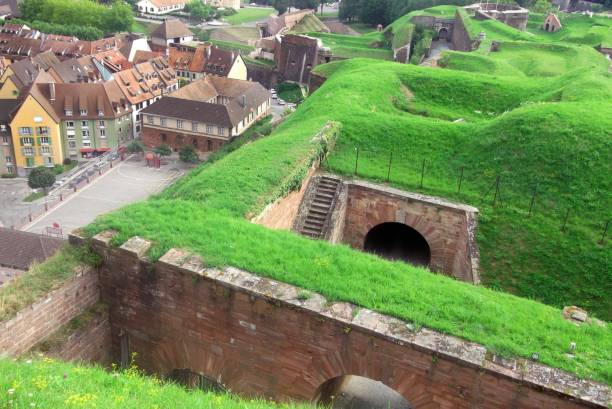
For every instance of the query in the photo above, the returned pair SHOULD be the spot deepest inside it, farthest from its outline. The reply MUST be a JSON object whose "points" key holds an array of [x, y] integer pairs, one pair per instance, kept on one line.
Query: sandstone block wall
{"points": [[448, 228], [38, 321], [261, 337]]}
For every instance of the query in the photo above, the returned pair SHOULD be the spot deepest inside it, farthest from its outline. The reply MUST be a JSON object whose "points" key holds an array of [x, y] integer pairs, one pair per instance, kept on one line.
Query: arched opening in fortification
{"points": [[443, 34], [193, 380], [397, 241], [357, 392]]}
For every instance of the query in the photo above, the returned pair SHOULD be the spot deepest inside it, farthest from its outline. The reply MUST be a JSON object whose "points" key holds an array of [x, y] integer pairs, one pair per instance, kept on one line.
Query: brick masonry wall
{"points": [[152, 137], [38, 321], [259, 337], [445, 226], [88, 344]]}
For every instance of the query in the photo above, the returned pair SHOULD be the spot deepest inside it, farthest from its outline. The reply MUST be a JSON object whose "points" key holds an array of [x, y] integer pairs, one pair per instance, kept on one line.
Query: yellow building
{"points": [[16, 77], [35, 130]]}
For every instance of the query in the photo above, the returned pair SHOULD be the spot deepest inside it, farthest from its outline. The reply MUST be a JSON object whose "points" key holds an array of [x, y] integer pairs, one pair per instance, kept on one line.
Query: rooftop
{"points": [[18, 249], [171, 28]]}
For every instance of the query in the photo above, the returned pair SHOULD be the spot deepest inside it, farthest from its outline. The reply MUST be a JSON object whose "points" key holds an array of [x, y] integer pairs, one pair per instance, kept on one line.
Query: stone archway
{"points": [[358, 392], [443, 34], [398, 241]]}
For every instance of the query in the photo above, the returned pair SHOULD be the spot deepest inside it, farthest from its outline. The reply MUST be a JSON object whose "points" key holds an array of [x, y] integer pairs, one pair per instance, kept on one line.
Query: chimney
{"points": [[52, 91]]}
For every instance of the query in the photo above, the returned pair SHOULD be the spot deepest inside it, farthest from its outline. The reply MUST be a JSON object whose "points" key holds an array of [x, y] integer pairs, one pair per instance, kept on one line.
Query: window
{"points": [[103, 133], [25, 131], [27, 141], [100, 113], [72, 144], [70, 125], [194, 126], [9, 170], [2, 128], [83, 112], [29, 162], [180, 140], [209, 145], [87, 143], [84, 124], [221, 130], [85, 134], [44, 140], [164, 138], [68, 112], [162, 121], [49, 161], [179, 124], [28, 151], [209, 129], [101, 124], [150, 119], [5, 139], [8, 160], [45, 150]]}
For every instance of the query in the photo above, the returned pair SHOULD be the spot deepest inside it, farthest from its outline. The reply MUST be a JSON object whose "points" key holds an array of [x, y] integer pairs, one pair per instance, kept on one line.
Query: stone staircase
{"points": [[320, 207]]}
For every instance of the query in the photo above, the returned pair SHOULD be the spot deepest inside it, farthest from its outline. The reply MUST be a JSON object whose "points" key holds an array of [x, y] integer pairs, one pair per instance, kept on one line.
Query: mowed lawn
{"points": [[250, 14]]}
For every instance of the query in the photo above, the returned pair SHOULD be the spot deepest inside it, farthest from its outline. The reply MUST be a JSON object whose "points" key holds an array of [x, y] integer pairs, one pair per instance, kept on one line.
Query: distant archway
{"points": [[443, 34], [358, 392], [398, 241]]}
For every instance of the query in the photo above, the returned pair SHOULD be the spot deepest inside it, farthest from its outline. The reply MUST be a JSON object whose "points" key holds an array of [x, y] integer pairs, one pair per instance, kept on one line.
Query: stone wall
{"points": [[152, 137], [460, 38], [38, 321], [281, 214], [448, 228], [268, 77], [316, 82], [260, 337], [88, 340]]}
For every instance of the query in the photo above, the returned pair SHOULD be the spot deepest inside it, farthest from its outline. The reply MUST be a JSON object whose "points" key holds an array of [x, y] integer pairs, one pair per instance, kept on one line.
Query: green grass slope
{"points": [[347, 46], [45, 383], [548, 135]]}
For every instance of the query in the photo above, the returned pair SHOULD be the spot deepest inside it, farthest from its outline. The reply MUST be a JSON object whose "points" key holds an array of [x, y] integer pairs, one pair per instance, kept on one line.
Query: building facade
{"points": [[7, 152], [171, 31], [195, 62], [35, 131], [159, 7], [205, 114], [233, 4]]}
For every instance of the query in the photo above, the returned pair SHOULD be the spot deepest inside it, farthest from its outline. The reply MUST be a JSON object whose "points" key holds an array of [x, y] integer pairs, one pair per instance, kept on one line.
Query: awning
{"points": [[87, 150], [103, 149]]}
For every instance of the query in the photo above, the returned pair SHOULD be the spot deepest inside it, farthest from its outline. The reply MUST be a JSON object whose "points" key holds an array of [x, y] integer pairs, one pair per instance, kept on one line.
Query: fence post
{"points": [[61, 197], [603, 236], [389, 169], [422, 173], [496, 196], [460, 180], [535, 190], [565, 220], [356, 159]]}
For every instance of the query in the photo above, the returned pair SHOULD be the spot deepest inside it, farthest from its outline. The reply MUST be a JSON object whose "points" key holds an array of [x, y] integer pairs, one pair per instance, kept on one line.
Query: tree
{"points": [[348, 9], [163, 150], [197, 10], [41, 178], [188, 154], [282, 5], [306, 4], [135, 147]]}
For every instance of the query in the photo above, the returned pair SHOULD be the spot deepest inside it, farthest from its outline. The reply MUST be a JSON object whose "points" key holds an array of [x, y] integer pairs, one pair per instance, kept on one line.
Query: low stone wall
{"points": [[260, 337], [40, 320], [281, 214], [89, 341]]}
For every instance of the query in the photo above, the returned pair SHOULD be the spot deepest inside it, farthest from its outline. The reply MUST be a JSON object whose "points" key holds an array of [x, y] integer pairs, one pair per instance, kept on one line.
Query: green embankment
{"points": [[550, 135], [346, 46], [46, 383], [310, 23]]}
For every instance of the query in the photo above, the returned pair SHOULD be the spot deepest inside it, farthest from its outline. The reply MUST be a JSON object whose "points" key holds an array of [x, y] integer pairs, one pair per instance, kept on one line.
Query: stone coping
{"points": [[403, 333], [417, 197]]}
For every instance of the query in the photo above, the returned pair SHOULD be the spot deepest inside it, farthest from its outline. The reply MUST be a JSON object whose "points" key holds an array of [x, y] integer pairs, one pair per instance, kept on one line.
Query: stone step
{"points": [[313, 223], [311, 230], [324, 197], [316, 217], [326, 190], [317, 211]]}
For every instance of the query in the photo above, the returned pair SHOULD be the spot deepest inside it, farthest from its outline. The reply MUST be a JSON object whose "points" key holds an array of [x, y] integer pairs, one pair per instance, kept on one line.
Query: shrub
{"points": [[41, 177], [135, 147], [188, 154], [8, 176], [67, 162], [163, 150]]}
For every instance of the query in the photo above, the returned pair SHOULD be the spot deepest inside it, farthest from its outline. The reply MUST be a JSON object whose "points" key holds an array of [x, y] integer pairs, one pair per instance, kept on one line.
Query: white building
{"points": [[159, 7], [171, 31], [234, 4]]}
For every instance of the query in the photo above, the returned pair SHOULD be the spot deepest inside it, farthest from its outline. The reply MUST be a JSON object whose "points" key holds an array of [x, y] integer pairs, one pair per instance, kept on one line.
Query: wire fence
{"points": [[556, 197]]}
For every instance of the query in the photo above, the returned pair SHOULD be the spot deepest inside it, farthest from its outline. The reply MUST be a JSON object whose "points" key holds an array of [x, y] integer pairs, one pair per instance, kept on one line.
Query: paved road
{"points": [[126, 183]]}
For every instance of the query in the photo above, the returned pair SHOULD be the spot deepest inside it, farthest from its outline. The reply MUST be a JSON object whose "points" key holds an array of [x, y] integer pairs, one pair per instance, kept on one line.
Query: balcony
{"points": [[46, 152], [27, 152]]}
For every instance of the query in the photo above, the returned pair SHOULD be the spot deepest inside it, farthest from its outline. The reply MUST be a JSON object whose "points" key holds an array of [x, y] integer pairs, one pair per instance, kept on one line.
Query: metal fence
{"points": [[493, 188]]}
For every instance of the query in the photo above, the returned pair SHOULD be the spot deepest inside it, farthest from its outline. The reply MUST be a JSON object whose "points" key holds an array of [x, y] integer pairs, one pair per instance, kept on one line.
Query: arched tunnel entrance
{"points": [[443, 34], [357, 392], [397, 241]]}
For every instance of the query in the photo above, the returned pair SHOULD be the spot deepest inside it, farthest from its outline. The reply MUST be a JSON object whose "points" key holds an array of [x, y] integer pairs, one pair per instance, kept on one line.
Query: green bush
{"points": [[8, 176], [135, 147], [188, 154]]}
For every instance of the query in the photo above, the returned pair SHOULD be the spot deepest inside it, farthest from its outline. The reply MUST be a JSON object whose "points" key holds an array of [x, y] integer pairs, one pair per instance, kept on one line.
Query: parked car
{"points": [[281, 102]]}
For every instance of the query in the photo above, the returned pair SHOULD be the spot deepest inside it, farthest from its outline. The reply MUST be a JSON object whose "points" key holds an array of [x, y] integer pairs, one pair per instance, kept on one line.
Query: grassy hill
{"points": [[529, 131], [45, 383], [346, 46]]}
